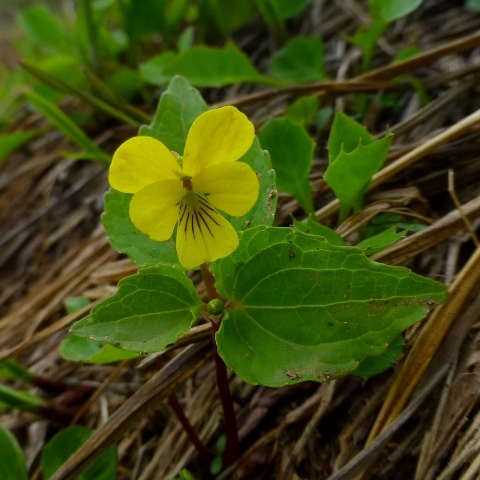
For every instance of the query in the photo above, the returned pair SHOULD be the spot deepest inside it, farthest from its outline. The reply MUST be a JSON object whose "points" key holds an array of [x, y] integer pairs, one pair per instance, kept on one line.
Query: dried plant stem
{"points": [[427, 344]]}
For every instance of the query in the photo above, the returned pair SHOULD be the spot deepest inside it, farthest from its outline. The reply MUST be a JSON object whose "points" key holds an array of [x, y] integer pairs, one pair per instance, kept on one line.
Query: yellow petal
{"points": [[141, 161], [154, 209], [217, 136], [230, 187], [203, 235]]}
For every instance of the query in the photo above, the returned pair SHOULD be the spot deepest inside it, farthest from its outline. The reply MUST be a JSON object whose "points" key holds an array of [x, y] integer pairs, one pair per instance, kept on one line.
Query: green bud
{"points": [[215, 307]]}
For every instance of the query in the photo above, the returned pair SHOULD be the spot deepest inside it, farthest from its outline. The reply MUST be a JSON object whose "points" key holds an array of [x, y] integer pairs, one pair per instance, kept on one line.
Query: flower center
{"points": [[187, 183], [197, 216]]}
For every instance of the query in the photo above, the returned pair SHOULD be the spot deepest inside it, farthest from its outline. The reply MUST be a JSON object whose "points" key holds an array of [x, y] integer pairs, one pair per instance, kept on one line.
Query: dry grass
{"points": [[418, 421]]}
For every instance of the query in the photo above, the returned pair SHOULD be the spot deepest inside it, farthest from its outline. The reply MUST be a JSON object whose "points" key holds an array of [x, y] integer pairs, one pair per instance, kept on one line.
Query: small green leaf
{"points": [[78, 349], [50, 111], [382, 240], [287, 9], [149, 311], [143, 18], [9, 142], [345, 135], [65, 443], [204, 66], [303, 110], [301, 60], [15, 371], [350, 173], [19, 399], [312, 227], [375, 365], [387, 220], [391, 10], [291, 150], [473, 5], [263, 211], [366, 38], [303, 309], [43, 28], [405, 53], [220, 18], [179, 106], [73, 304], [13, 465], [185, 40]]}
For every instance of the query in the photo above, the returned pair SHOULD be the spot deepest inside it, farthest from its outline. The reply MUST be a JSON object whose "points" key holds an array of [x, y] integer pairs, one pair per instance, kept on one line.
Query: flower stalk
{"points": [[230, 417]]}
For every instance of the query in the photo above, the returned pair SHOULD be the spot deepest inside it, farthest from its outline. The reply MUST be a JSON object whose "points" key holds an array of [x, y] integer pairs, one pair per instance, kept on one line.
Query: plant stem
{"points": [[203, 454], [209, 282], [231, 428]]}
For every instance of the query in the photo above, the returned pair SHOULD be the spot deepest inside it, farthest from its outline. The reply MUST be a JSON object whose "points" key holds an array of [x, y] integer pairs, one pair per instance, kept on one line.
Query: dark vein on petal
{"points": [[206, 224], [209, 216], [198, 222]]}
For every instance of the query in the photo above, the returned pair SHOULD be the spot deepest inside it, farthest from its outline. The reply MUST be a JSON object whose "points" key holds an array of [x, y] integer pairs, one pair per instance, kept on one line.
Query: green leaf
{"points": [[124, 237], [65, 443], [50, 111], [407, 52], [291, 150], [387, 220], [204, 66], [345, 135], [73, 304], [220, 18], [179, 106], [314, 228], [301, 60], [43, 28], [143, 18], [15, 371], [375, 365], [9, 142], [366, 38], [13, 465], [185, 40], [149, 311], [78, 349], [473, 5], [350, 173], [303, 309], [391, 10], [263, 211], [13, 398], [286, 9], [382, 240], [303, 110]]}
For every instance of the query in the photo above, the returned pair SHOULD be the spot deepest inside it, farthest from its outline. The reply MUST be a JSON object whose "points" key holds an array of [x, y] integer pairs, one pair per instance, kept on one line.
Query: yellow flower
{"points": [[210, 178]]}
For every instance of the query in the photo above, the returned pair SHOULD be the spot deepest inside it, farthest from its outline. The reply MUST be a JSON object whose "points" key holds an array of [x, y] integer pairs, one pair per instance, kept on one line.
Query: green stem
{"points": [[231, 427]]}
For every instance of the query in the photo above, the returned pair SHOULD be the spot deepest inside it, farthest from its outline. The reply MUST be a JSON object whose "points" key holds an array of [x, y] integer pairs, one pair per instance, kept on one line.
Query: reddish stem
{"points": [[231, 427], [203, 454]]}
